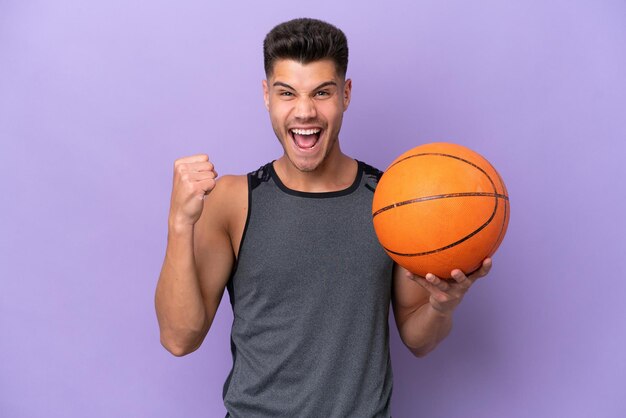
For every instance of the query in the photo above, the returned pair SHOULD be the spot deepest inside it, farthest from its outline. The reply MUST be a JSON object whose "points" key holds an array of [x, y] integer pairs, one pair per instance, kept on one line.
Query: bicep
{"points": [[407, 296]]}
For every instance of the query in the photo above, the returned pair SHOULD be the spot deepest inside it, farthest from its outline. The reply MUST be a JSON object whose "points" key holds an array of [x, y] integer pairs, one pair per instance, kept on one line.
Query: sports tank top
{"points": [[310, 294]]}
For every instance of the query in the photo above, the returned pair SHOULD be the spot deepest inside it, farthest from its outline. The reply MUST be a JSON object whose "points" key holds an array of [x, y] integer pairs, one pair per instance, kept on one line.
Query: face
{"points": [[306, 104]]}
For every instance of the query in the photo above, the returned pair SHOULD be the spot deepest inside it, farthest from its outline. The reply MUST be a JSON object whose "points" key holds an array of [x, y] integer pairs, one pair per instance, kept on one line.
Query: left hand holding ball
{"points": [[445, 295]]}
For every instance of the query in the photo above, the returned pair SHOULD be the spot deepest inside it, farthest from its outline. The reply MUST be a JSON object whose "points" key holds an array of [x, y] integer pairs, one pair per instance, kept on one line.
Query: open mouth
{"points": [[305, 138]]}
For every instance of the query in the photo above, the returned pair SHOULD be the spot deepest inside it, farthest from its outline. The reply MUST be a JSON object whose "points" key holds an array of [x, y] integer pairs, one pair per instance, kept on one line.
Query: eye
{"points": [[322, 93], [286, 93]]}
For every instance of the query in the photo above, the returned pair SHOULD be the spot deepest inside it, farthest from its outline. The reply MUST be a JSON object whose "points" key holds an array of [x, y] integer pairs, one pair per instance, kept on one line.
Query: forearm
{"points": [[424, 329], [178, 300]]}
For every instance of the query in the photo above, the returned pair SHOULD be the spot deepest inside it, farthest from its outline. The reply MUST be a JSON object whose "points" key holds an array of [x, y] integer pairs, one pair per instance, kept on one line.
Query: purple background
{"points": [[97, 100]]}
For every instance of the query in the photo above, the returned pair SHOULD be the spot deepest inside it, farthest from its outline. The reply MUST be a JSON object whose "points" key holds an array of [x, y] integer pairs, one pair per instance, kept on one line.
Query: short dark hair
{"points": [[306, 40]]}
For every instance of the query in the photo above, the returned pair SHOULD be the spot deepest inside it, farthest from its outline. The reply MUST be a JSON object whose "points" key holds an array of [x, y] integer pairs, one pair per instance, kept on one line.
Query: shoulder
{"points": [[231, 183], [229, 188], [235, 187], [260, 175], [370, 170], [371, 175]]}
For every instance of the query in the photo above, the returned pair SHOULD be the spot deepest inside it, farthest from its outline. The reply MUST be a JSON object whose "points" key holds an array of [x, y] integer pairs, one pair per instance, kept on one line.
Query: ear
{"points": [[347, 93], [266, 95]]}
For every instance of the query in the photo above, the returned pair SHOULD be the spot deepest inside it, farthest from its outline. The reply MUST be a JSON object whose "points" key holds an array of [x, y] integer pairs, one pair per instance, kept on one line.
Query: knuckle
{"points": [[180, 168], [441, 297], [181, 160], [189, 187]]}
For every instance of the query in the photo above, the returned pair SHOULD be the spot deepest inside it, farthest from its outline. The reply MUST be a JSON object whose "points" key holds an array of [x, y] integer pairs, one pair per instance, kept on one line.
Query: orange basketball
{"points": [[438, 207]]}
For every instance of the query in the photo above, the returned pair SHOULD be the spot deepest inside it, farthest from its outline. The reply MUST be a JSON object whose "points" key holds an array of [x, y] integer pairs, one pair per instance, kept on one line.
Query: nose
{"points": [[305, 109]]}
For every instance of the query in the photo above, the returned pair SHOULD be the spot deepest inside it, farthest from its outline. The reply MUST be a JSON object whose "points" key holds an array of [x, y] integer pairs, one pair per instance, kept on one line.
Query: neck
{"points": [[336, 172]]}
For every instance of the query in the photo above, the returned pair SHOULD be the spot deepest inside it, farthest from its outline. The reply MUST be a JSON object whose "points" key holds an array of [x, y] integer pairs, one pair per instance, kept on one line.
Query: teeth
{"points": [[305, 131]]}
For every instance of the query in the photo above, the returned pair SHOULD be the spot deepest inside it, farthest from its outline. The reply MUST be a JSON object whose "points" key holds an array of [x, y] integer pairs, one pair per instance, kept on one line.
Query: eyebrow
{"points": [[324, 84]]}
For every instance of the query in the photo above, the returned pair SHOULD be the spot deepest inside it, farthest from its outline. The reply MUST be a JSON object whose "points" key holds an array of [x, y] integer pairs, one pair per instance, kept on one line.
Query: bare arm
{"points": [[181, 313], [197, 265], [421, 328], [423, 306]]}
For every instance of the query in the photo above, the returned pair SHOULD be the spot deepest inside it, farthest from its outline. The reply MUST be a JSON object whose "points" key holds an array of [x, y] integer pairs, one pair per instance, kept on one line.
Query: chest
{"points": [[310, 251]]}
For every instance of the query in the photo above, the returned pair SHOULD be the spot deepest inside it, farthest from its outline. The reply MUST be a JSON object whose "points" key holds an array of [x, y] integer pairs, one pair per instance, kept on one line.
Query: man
{"points": [[293, 241]]}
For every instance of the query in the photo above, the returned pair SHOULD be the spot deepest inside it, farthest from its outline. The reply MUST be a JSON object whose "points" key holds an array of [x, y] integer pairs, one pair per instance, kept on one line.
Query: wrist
{"points": [[179, 229]]}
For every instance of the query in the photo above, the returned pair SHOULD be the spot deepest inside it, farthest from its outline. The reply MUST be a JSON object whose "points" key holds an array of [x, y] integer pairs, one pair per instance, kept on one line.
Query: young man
{"points": [[293, 241]]}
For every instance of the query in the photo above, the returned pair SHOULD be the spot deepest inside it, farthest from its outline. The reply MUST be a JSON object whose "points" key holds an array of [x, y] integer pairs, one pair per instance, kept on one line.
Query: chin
{"points": [[304, 166]]}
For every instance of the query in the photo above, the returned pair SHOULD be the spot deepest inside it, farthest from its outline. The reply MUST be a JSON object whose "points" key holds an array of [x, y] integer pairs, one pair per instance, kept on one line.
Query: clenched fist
{"points": [[194, 178]]}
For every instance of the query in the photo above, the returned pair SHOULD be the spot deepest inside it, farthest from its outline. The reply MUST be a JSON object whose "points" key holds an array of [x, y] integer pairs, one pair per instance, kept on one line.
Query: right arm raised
{"points": [[199, 255]]}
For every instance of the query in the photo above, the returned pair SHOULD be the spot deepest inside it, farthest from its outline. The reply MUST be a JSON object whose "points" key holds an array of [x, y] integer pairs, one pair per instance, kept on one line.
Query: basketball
{"points": [[438, 207]]}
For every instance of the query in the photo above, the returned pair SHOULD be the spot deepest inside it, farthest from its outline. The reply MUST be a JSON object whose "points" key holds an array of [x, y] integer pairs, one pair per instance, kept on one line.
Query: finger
{"points": [[483, 271], [201, 176], [207, 185], [199, 166], [429, 287], [432, 283], [487, 264], [461, 278], [196, 177], [437, 282], [432, 280], [191, 159]]}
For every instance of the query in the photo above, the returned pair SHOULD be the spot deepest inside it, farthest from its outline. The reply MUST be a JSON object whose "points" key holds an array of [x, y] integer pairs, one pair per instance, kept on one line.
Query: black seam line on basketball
{"points": [[493, 214], [465, 238], [497, 243], [440, 154], [493, 185], [439, 196]]}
